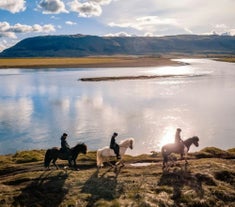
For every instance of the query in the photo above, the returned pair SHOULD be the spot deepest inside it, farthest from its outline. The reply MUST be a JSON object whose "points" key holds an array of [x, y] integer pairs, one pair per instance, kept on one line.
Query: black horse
{"points": [[180, 148], [55, 153]]}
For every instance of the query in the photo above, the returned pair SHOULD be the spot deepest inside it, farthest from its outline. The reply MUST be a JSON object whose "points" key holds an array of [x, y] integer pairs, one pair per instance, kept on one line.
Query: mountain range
{"points": [[88, 45]]}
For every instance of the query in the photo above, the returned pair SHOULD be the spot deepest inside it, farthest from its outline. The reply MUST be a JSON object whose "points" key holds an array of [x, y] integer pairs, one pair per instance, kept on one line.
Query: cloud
{"points": [[168, 17], [151, 24], [119, 34], [52, 6], [86, 9], [10, 31], [70, 23], [13, 6], [101, 2]]}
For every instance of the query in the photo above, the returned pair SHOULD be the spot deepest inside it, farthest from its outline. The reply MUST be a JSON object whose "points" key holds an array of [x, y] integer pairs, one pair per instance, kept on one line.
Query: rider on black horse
{"points": [[65, 148], [114, 145]]}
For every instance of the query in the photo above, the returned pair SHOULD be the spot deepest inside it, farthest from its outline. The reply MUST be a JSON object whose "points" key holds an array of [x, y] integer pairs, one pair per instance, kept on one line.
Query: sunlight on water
{"points": [[37, 106], [184, 70]]}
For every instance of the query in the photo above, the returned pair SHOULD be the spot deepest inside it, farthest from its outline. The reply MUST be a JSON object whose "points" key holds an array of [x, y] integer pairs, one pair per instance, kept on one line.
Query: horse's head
{"points": [[81, 148], [195, 141], [127, 143]]}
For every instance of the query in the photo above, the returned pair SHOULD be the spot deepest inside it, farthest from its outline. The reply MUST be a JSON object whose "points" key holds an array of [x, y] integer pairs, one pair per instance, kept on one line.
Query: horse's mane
{"points": [[195, 138], [79, 144], [125, 140]]}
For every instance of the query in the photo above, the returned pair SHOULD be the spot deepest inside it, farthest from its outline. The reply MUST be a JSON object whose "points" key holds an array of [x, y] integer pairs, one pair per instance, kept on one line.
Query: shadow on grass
{"points": [[47, 190], [180, 178], [103, 186]]}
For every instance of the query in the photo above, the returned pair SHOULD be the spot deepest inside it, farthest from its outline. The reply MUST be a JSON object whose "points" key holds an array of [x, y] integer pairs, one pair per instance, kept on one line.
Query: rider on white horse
{"points": [[114, 145]]}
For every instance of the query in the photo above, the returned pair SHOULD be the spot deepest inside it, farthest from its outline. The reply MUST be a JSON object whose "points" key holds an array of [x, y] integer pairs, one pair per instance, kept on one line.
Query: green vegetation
{"points": [[204, 182]]}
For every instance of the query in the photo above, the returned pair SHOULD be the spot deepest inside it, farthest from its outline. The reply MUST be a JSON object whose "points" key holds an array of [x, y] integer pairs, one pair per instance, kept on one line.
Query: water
{"points": [[37, 106]]}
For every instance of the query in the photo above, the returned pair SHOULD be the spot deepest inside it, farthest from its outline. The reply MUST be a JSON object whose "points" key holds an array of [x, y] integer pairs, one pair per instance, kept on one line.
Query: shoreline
{"points": [[99, 62], [87, 62]]}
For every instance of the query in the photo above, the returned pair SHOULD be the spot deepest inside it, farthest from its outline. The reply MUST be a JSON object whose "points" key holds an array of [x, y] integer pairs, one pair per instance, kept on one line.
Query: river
{"points": [[38, 105]]}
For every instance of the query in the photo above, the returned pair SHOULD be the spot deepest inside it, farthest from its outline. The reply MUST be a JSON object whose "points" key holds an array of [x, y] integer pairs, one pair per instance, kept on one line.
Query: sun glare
{"points": [[167, 136], [171, 71]]}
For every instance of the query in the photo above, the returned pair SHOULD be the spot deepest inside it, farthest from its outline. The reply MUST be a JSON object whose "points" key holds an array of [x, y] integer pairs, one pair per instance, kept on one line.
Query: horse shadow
{"points": [[179, 178], [102, 186], [47, 190]]}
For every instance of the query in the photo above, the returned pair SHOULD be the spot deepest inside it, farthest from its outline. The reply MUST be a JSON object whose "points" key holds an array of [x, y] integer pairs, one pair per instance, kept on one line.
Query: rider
{"points": [[114, 145], [178, 139], [65, 148], [178, 136]]}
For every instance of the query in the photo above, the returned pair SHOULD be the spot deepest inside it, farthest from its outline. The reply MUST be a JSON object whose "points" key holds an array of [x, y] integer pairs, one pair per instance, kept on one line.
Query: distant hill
{"points": [[86, 45]]}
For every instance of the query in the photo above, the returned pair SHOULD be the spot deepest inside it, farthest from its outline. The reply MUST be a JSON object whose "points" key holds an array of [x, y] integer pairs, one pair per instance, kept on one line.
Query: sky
{"points": [[20, 19]]}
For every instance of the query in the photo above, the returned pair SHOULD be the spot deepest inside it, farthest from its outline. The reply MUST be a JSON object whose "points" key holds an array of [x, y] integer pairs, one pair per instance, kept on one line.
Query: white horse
{"points": [[105, 153]]}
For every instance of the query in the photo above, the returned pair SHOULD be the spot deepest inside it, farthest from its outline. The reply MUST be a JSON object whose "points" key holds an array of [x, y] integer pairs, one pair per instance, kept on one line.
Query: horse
{"points": [[55, 153], [180, 148], [106, 153]]}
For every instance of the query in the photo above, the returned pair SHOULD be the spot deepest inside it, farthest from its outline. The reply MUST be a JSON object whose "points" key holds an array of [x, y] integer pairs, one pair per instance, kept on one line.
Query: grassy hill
{"points": [[87, 45], [208, 180]]}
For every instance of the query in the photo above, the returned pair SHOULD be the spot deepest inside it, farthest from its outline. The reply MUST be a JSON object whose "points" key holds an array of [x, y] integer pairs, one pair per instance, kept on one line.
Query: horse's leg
{"points": [[54, 163], [110, 164], [75, 165], [185, 157]]}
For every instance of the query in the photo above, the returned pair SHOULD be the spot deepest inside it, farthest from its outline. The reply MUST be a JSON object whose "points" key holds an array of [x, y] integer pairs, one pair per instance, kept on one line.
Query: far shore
{"points": [[87, 62], [99, 61]]}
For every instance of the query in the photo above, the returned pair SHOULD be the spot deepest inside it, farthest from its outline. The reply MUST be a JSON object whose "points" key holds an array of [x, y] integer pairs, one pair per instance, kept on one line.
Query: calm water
{"points": [[37, 106]]}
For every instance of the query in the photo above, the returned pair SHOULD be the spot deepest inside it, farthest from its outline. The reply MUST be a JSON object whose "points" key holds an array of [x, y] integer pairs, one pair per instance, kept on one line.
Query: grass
{"points": [[50, 62], [204, 182], [109, 61], [227, 59]]}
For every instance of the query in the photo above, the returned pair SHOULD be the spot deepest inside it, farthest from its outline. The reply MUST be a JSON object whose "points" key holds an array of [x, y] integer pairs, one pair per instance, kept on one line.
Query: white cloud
{"points": [[170, 17], [86, 9], [151, 24], [221, 26], [52, 6], [10, 31], [119, 34], [232, 32], [101, 2], [70, 23], [13, 6]]}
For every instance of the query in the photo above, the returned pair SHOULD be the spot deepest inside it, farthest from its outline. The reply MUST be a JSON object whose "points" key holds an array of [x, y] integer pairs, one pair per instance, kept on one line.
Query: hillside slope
{"points": [[86, 45]]}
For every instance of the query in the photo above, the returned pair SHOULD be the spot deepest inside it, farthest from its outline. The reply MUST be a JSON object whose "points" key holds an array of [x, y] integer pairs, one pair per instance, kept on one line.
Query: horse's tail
{"points": [[164, 156], [99, 158], [47, 158]]}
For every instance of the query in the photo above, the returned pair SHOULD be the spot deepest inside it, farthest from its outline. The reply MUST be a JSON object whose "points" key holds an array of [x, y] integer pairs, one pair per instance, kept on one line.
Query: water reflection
{"points": [[37, 106]]}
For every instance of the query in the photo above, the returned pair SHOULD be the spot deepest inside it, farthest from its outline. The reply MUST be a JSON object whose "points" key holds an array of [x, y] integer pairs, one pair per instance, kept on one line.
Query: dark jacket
{"points": [[113, 143], [64, 144]]}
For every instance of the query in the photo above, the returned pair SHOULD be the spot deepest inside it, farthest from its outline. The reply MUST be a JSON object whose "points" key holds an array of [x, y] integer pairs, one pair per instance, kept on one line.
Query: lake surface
{"points": [[37, 106]]}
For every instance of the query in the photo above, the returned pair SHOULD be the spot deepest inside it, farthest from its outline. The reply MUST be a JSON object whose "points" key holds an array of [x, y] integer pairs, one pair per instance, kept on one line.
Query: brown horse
{"points": [[55, 153], [180, 148]]}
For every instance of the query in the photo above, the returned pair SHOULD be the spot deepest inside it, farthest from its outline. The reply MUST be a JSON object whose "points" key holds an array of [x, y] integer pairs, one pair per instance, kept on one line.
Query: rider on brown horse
{"points": [[65, 148]]}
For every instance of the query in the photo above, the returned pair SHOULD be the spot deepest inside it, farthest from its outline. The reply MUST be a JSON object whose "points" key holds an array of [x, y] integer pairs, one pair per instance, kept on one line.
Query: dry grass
{"points": [[227, 59], [84, 62], [204, 182]]}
